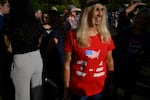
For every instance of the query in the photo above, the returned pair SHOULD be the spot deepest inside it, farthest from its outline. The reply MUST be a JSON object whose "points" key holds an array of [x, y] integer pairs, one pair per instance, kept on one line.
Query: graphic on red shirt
{"points": [[92, 54]]}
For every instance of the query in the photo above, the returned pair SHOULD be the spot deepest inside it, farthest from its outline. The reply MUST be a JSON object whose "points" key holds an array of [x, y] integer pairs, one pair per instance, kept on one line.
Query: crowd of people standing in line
{"points": [[46, 56]]}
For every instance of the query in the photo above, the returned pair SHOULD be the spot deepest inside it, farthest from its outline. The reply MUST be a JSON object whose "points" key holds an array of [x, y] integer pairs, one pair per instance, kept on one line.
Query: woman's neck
{"points": [[92, 31]]}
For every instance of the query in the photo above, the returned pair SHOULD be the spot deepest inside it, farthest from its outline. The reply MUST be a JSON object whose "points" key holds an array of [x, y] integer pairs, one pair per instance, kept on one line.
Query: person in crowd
{"points": [[52, 49], [5, 57], [38, 15], [131, 50], [4, 9], [88, 54], [71, 17], [45, 23], [127, 15], [23, 39]]}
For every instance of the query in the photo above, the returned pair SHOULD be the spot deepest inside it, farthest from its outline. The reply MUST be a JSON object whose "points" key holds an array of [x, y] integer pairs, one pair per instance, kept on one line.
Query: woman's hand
{"points": [[66, 94]]}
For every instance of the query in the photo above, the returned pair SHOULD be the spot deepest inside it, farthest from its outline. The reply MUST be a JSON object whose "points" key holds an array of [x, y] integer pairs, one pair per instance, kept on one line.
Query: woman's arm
{"points": [[110, 76], [8, 44], [40, 40], [67, 69], [67, 74], [110, 61], [133, 6]]}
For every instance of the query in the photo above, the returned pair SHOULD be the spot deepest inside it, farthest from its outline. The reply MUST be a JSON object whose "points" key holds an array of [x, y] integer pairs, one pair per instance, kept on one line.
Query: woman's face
{"points": [[98, 13], [45, 18]]}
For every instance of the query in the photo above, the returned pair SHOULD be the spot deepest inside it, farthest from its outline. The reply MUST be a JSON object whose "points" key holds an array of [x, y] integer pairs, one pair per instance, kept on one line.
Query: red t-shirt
{"points": [[88, 66]]}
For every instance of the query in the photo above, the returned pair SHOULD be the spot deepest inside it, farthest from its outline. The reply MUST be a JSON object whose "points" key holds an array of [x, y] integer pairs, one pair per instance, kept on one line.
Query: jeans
{"points": [[93, 97]]}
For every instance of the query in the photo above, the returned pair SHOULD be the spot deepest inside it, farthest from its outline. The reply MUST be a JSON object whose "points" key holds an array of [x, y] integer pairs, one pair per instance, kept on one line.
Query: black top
{"points": [[23, 29], [24, 36]]}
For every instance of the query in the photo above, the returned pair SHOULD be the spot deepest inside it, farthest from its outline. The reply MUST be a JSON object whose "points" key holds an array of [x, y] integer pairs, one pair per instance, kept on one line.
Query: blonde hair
{"points": [[83, 25]]}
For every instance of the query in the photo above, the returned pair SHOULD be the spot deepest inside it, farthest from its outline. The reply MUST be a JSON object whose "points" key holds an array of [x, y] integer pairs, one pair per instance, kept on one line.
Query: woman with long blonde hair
{"points": [[88, 54]]}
